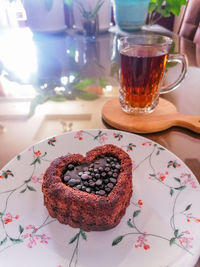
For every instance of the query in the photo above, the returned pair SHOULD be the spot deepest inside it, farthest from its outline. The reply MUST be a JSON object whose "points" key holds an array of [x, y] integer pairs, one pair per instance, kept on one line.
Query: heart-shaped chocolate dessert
{"points": [[98, 177], [91, 192]]}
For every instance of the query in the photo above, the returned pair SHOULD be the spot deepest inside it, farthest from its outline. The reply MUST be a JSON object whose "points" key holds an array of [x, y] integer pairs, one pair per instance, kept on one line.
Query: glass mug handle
{"points": [[179, 58]]}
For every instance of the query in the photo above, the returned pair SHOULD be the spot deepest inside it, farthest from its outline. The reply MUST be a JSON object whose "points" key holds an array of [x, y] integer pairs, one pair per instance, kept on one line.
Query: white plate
{"points": [[163, 226]]}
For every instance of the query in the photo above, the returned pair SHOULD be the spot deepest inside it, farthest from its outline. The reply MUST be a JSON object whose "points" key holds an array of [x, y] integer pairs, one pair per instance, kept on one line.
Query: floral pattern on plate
{"points": [[160, 228]]}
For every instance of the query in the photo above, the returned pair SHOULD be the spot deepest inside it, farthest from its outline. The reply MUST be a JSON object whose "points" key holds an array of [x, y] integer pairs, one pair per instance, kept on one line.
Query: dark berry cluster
{"points": [[98, 178]]}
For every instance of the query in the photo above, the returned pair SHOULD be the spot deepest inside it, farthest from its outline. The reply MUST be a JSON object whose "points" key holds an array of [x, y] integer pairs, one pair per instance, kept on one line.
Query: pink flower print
{"points": [[44, 239], [9, 215], [9, 218], [186, 179], [103, 138], [174, 164], [36, 179], [147, 144], [79, 135], [6, 174], [129, 147], [162, 176], [7, 221], [140, 203], [186, 241], [146, 246], [31, 242], [190, 217], [118, 136], [31, 227], [184, 175], [52, 141], [34, 238], [37, 153], [141, 242]]}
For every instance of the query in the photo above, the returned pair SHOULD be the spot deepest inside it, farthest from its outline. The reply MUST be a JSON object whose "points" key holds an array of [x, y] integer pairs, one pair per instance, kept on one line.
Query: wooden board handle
{"points": [[186, 121]]}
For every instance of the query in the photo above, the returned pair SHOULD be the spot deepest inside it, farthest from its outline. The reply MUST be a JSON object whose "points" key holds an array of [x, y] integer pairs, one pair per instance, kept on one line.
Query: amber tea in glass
{"points": [[143, 60]]}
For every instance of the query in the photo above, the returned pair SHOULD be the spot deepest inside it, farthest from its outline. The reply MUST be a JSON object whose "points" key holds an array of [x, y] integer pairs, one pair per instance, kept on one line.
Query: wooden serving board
{"points": [[164, 117]]}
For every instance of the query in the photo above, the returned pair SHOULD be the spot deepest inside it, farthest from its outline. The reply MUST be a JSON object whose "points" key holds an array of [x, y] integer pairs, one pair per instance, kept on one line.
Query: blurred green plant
{"points": [[172, 51], [114, 71], [164, 8], [49, 3], [89, 14], [68, 2], [73, 91]]}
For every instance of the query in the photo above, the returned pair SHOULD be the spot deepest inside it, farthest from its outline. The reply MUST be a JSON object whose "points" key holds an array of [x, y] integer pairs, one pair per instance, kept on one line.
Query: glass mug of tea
{"points": [[143, 60]]}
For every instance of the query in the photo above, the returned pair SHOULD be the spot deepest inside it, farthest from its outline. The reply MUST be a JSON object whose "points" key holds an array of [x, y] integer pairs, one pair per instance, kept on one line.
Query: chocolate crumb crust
{"points": [[84, 210]]}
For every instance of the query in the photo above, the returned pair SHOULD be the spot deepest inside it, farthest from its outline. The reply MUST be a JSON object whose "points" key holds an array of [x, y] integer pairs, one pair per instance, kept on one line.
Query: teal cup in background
{"points": [[130, 15]]}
